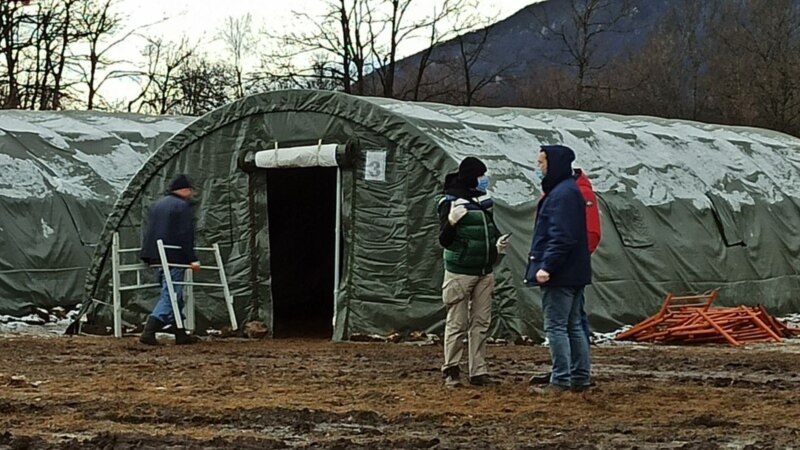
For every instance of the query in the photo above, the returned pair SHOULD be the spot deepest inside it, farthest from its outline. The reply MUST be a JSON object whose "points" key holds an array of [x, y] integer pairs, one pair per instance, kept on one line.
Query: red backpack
{"points": [[593, 231]]}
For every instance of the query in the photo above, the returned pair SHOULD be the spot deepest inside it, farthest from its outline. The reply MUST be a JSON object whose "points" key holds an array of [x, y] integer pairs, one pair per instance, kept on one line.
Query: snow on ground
{"points": [[56, 324], [58, 320]]}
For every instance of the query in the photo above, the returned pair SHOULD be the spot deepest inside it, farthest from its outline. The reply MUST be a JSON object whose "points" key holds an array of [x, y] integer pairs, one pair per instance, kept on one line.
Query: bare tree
{"points": [[161, 91], [354, 56], [580, 34], [464, 76], [390, 25], [474, 71], [360, 41], [97, 23], [452, 19], [761, 86], [50, 33], [12, 16], [669, 75], [237, 35], [337, 37], [44, 48], [205, 85]]}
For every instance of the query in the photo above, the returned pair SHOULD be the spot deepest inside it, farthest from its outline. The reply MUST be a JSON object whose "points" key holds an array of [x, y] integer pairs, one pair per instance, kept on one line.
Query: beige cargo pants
{"points": [[468, 299]]}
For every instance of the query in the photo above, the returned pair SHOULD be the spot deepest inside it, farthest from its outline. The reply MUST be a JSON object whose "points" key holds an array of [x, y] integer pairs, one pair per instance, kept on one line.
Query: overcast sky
{"points": [[198, 16], [201, 20]]}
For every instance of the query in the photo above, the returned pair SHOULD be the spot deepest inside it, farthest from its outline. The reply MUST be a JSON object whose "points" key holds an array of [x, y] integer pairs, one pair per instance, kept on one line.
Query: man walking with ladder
{"points": [[171, 220]]}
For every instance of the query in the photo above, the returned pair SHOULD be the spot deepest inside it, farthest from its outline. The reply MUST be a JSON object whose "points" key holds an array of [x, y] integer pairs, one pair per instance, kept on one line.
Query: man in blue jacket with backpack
{"points": [[559, 263]]}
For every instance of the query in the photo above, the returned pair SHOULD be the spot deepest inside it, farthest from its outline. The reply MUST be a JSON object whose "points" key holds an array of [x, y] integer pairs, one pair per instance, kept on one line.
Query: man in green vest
{"points": [[471, 244]]}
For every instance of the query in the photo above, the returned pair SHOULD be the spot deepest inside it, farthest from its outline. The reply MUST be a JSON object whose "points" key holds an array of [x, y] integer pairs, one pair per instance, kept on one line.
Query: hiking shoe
{"points": [[582, 388], [540, 379], [148, 339], [183, 338], [550, 389], [483, 380], [148, 336], [452, 382], [452, 377]]}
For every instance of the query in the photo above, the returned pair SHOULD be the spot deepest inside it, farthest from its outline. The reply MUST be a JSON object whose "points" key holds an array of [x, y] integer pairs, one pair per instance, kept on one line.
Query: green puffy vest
{"points": [[473, 250]]}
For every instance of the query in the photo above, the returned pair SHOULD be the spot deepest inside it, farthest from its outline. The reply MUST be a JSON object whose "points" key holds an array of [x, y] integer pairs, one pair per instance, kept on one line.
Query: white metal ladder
{"points": [[117, 268]]}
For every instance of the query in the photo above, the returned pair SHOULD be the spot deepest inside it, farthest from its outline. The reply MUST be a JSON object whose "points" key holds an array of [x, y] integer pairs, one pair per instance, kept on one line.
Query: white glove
{"points": [[501, 245], [456, 213], [542, 276]]}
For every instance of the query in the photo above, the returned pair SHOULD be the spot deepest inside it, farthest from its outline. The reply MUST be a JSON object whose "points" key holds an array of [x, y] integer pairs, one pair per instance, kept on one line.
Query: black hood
{"points": [[457, 186], [469, 170], [559, 165]]}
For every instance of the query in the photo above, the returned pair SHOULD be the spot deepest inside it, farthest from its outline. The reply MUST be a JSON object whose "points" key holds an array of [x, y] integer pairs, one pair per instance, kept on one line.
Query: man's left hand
{"points": [[542, 276]]}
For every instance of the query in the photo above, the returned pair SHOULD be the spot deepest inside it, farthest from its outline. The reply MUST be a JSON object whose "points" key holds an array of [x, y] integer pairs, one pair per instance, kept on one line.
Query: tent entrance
{"points": [[302, 213]]}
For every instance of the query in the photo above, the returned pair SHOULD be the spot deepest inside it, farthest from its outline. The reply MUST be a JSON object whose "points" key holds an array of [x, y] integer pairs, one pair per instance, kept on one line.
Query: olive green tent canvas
{"points": [[351, 247], [60, 173]]}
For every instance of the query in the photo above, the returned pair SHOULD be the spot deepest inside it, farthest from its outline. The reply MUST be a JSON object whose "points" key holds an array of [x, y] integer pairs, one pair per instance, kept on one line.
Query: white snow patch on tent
{"points": [[114, 167], [512, 191], [20, 178], [65, 181], [12, 125], [83, 153], [47, 230], [23, 178], [656, 160], [473, 117], [69, 126], [144, 127], [418, 111]]}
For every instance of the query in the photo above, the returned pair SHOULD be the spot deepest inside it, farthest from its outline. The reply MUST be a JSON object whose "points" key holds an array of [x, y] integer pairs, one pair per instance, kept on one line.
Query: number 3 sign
{"points": [[375, 169]]}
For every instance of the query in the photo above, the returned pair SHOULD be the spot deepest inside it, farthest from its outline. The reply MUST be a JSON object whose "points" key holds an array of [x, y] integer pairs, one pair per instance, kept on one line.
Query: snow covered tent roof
{"points": [[60, 173], [686, 207]]}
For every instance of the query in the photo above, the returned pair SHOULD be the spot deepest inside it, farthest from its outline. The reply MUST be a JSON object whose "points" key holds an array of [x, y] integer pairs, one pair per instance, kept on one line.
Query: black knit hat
{"points": [[471, 168], [180, 182]]}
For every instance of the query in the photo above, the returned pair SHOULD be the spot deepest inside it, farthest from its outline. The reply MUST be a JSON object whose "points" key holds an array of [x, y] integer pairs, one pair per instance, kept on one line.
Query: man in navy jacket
{"points": [[559, 263], [171, 219]]}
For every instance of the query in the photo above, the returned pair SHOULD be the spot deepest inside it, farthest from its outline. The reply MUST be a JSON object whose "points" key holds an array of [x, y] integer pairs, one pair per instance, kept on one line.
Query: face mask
{"points": [[537, 172], [483, 183]]}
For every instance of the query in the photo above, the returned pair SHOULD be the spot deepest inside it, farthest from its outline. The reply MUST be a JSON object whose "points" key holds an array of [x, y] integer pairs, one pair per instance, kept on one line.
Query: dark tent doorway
{"points": [[302, 220]]}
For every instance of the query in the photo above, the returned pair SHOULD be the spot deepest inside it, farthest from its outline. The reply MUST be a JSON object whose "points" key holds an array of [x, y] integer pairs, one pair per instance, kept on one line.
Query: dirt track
{"points": [[87, 392]]}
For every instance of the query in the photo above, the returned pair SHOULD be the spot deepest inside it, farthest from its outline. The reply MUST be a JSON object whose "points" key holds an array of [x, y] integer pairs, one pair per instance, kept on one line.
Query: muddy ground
{"points": [[99, 392]]}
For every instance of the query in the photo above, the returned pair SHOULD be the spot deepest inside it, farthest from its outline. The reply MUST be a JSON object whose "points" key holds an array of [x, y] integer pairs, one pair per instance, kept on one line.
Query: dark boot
{"points": [[182, 338], [148, 336], [452, 377], [540, 379], [483, 380]]}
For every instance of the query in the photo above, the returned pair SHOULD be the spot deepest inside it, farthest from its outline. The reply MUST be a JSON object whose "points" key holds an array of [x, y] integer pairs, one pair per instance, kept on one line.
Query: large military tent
{"points": [[686, 207], [60, 173]]}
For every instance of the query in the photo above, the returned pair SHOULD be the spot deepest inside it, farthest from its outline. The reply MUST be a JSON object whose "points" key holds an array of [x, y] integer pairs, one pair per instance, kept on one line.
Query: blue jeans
{"points": [[163, 310], [585, 319], [569, 347]]}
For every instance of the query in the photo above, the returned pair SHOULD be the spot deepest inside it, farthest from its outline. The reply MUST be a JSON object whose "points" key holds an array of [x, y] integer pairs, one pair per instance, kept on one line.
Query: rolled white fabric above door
{"points": [[304, 156]]}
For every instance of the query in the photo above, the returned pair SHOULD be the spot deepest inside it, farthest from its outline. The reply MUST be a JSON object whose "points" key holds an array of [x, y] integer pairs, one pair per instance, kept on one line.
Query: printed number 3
{"points": [[374, 169]]}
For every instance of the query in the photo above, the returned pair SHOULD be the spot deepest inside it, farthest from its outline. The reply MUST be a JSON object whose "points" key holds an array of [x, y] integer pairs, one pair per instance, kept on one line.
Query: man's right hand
{"points": [[196, 266], [542, 276], [456, 213]]}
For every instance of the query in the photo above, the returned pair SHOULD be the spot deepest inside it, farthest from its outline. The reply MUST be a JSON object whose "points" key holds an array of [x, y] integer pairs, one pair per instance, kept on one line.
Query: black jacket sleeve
{"points": [[447, 232]]}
